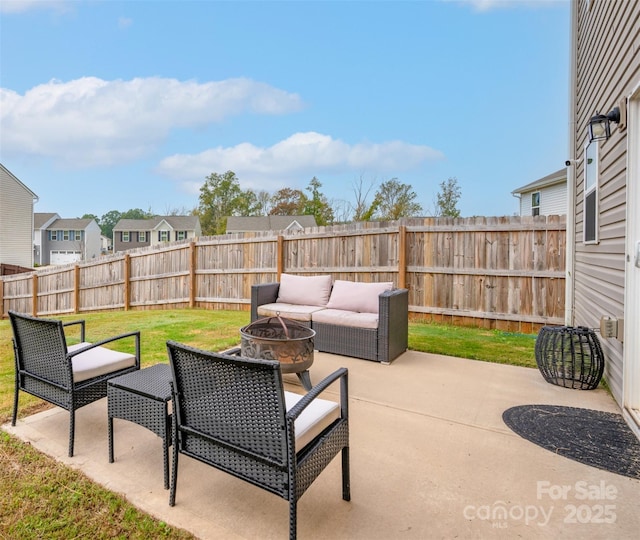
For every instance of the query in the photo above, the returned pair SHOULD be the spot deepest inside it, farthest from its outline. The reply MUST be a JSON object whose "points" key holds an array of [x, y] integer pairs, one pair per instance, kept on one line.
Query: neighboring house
{"points": [[41, 222], [238, 224], [544, 197], [135, 233], [65, 241], [603, 226], [106, 244], [16, 221]]}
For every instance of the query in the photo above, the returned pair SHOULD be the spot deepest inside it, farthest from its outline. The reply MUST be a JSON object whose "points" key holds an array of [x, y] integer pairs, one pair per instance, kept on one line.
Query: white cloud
{"points": [[124, 22], [90, 121], [295, 159], [488, 5], [21, 6]]}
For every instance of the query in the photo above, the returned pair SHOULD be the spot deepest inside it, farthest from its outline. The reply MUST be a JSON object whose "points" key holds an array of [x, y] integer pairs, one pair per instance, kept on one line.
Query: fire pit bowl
{"points": [[276, 338]]}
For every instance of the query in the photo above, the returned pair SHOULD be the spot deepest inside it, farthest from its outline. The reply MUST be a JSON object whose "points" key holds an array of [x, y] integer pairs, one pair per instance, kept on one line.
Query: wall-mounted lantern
{"points": [[600, 125]]}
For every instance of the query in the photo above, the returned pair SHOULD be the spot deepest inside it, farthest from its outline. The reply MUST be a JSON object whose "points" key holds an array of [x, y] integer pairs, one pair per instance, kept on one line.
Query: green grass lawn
{"points": [[41, 498]]}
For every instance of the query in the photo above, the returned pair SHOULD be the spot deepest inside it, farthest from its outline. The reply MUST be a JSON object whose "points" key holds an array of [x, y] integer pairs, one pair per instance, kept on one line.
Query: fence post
{"points": [[76, 289], [402, 256], [127, 281], [192, 273], [34, 295], [280, 257]]}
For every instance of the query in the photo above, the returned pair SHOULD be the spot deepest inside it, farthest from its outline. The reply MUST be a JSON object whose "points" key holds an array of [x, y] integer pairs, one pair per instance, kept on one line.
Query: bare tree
{"points": [[264, 204], [362, 210]]}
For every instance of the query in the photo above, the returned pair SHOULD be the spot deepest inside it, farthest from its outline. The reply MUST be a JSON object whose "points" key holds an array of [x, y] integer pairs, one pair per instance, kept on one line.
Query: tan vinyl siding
{"points": [[607, 70], [16, 221]]}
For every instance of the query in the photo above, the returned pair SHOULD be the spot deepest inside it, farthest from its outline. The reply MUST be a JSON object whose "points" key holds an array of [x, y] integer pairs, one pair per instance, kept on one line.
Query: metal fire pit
{"points": [[284, 340]]}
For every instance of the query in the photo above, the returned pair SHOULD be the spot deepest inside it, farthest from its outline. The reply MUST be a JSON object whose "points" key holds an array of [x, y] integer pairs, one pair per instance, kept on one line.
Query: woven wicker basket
{"points": [[569, 356]]}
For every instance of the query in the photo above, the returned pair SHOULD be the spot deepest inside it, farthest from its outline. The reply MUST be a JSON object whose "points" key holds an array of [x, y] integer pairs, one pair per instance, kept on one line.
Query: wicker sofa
{"points": [[363, 320]]}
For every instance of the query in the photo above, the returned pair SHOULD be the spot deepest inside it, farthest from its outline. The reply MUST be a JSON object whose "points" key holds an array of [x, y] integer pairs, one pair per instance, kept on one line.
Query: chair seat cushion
{"points": [[341, 317], [319, 415], [295, 312], [98, 361]]}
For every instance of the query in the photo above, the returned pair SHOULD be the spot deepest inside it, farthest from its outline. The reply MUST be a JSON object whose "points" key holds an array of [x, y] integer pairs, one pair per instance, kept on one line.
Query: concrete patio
{"points": [[430, 458]]}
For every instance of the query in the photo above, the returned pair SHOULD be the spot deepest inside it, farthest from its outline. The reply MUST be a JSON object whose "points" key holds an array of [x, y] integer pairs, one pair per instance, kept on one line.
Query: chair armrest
{"points": [[82, 327], [135, 334], [393, 329], [343, 375], [263, 293]]}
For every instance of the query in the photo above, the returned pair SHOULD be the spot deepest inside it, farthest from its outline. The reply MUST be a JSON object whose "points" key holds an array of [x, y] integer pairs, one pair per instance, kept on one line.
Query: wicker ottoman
{"points": [[142, 397]]}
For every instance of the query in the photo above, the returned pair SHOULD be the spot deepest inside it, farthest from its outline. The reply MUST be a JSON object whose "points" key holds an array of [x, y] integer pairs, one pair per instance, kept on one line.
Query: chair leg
{"points": [[15, 405], [293, 518], [72, 430], [346, 475], [110, 431], [174, 463]]}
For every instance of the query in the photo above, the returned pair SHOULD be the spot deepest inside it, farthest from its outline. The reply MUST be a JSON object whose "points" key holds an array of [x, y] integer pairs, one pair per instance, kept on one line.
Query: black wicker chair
{"points": [[69, 377], [233, 414]]}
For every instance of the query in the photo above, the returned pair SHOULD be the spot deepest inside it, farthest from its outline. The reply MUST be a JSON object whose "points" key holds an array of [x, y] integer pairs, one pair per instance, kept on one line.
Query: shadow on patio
{"points": [[430, 458]]}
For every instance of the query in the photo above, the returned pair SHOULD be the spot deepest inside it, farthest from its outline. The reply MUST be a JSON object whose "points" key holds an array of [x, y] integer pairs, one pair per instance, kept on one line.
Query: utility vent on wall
{"points": [[612, 328]]}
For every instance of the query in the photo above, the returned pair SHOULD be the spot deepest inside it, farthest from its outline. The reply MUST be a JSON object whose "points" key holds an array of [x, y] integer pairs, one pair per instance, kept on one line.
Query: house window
{"points": [[163, 236], [126, 237], [53, 235], [181, 235], [535, 203], [142, 236], [590, 207], [65, 235], [78, 235]]}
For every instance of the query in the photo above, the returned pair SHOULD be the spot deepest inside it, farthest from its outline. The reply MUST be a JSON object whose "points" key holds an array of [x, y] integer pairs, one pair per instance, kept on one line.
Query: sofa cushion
{"points": [[98, 361], [304, 290], [346, 318], [357, 296], [319, 415], [288, 311]]}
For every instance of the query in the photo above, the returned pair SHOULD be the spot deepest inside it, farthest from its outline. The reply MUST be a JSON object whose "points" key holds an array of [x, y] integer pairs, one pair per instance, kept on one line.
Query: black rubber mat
{"points": [[596, 438]]}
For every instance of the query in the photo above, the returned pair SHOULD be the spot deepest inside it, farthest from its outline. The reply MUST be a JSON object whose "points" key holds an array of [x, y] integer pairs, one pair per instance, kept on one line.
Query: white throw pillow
{"points": [[356, 296], [304, 290]]}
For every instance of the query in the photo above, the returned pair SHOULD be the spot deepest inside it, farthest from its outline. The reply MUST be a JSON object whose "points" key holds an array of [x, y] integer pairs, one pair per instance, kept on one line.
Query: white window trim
{"points": [[538, 193]]}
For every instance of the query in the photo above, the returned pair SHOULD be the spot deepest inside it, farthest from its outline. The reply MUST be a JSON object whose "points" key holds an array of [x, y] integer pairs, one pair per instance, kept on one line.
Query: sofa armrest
{"points": [[263, 293], [393, 324]]}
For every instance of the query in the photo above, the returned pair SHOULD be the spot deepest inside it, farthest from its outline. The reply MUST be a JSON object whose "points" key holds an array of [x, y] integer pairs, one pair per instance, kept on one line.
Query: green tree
{"points": [[94, 217], [395, 200], [288, 202], [108, 221], [448, 197], [221, 197], [318, 206]]}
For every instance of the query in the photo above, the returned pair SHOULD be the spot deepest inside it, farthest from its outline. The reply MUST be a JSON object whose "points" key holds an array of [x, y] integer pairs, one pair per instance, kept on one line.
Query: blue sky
{"points": [[113, 105]]}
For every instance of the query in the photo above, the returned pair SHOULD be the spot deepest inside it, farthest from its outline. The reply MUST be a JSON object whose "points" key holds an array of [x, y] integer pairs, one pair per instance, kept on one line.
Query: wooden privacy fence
{"points": [[506, 272]]}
